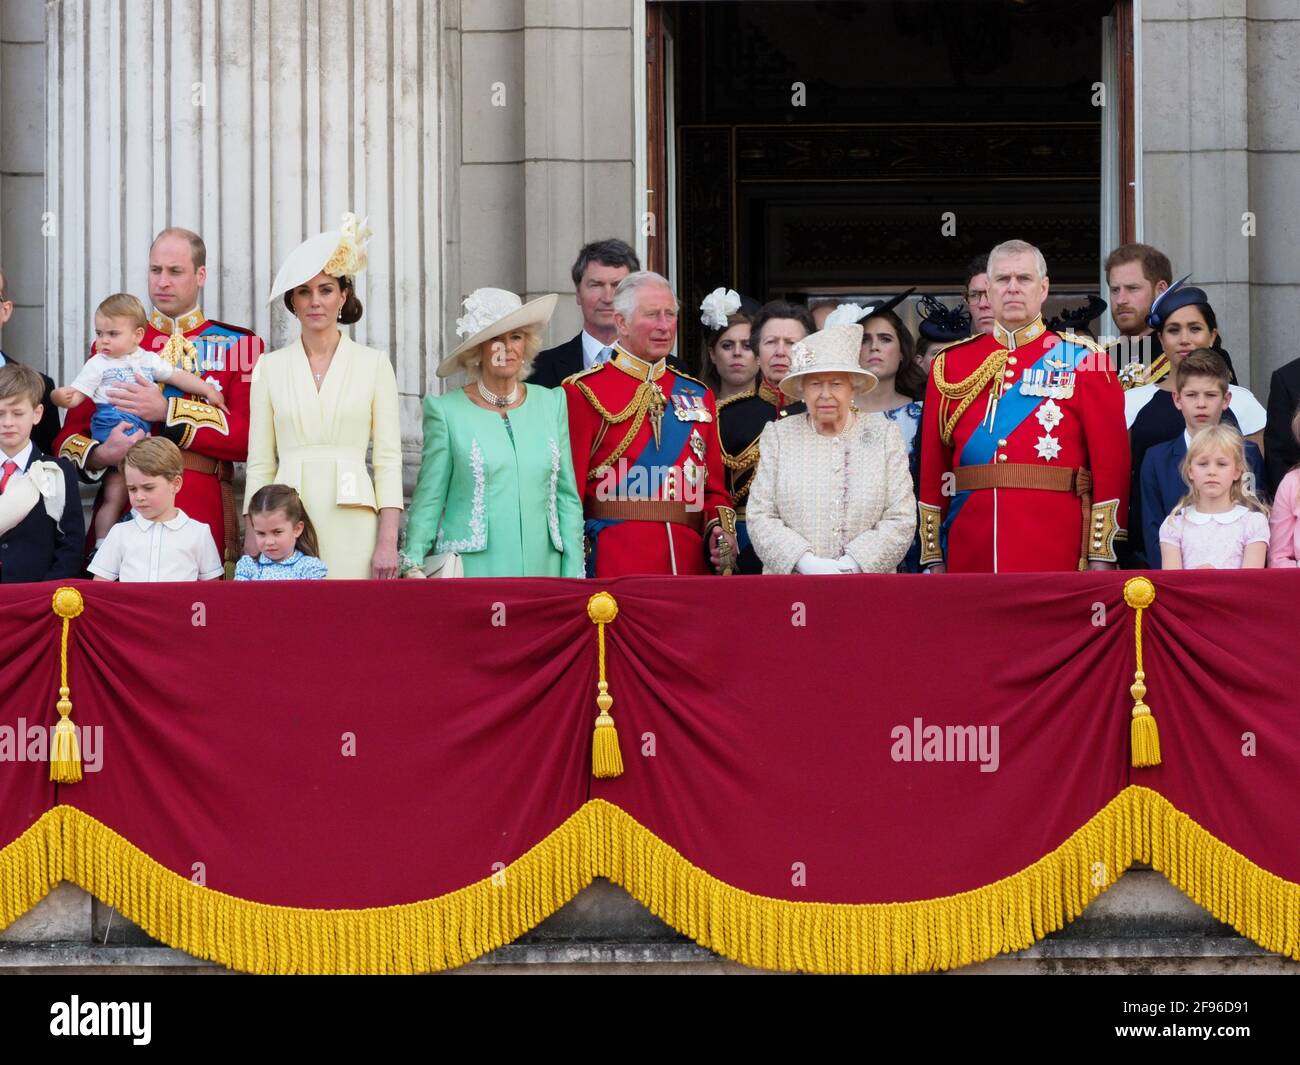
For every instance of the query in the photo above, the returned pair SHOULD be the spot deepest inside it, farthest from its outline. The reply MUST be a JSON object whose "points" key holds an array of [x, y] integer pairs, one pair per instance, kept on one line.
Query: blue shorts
{"points": [[107, 417]]}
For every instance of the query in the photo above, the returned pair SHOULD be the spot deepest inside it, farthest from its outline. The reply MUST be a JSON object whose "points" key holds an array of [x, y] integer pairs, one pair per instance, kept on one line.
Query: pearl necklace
{"points": [[494, 399]]}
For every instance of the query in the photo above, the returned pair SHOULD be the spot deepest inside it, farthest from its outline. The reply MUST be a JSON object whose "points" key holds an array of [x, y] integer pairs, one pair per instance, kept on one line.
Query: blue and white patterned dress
{"points": [[297, 567], [908, 419]]}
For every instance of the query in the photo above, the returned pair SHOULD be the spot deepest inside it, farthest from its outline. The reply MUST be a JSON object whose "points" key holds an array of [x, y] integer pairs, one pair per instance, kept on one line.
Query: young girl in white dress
{"points": [[1218, 524]]}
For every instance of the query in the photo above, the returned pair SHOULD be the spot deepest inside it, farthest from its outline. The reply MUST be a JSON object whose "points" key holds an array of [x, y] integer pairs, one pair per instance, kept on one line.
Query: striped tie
{"points": [[603, 355]]}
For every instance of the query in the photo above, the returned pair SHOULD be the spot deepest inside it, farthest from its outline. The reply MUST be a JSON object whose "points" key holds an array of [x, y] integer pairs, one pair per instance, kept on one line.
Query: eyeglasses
{"points": [[977, 295]]}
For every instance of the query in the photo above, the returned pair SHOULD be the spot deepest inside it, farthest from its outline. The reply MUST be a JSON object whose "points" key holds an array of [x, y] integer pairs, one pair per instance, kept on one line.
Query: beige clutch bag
{"points": [[445, 565]]}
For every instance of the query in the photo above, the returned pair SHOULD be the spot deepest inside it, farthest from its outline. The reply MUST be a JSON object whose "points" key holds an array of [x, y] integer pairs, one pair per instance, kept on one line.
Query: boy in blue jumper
{"points": [[1201, 393]]}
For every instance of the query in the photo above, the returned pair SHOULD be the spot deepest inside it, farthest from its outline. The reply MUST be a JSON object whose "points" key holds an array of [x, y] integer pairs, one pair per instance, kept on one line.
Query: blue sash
{"points": [[673, 434], [655, 461], [1013, 409]]}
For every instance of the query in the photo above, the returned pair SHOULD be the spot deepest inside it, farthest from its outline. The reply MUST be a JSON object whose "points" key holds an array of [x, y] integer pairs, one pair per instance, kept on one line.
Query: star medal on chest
{"points": [[1048, 447], [697, 444], [1049, 415]]}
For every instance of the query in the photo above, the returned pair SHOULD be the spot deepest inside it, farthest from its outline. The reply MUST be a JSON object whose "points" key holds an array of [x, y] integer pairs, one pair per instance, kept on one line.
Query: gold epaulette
{"points": [[749, 393], [688, 377], [582, 373], [955, 343]]}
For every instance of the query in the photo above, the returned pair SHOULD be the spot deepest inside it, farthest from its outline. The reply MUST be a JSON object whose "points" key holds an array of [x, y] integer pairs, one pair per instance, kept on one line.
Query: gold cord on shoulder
{"points": [[963, 392]]}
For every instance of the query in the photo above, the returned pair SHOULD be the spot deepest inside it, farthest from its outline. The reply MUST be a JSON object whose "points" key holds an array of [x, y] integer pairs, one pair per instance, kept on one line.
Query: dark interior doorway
{"points": [[828, 148]]}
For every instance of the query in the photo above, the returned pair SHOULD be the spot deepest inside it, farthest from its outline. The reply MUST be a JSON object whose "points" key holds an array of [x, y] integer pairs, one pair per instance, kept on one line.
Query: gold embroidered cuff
{"points": [[194, 415], [1104, 532], [76, 448], [930, 520]]}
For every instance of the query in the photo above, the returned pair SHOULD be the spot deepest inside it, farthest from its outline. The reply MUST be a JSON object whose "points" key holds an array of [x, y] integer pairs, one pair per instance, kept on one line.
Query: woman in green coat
{"points": [[496, 494]]}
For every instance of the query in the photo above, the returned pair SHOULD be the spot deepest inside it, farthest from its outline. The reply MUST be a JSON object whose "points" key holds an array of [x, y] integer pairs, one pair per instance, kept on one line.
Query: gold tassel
{"points": [[65, 755], [181, 352], [606, 758], [1144, 736]]}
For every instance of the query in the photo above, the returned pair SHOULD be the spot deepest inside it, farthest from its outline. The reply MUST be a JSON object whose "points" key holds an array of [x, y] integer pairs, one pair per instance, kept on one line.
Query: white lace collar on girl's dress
{"points": [[1226, 518]]}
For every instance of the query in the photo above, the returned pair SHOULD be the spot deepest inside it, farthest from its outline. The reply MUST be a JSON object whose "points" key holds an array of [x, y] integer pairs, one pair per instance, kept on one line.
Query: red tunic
{"points": [[617, 460], [224, 354], [1060, 407]]}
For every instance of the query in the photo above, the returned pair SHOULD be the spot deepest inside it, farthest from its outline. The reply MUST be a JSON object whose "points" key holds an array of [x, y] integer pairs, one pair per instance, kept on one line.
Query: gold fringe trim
{"points": [[601, 839]]}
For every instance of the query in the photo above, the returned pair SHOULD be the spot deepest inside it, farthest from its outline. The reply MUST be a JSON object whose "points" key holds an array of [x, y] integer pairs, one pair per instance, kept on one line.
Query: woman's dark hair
{"points": [[911, 379], [282, 499], [350, 311], [711, 337], [779, 309]]}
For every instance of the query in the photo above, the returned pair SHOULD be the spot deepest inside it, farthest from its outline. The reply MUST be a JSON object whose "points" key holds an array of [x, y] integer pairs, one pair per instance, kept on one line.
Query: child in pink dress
{"points": [[1284, 521], [1217, 525]]}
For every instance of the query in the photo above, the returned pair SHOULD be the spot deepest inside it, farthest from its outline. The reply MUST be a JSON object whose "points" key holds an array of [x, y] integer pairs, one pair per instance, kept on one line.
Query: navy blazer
{"points": [[48, 427], [1279, 445], [553, 365], [1163, 487], [38, 549]]}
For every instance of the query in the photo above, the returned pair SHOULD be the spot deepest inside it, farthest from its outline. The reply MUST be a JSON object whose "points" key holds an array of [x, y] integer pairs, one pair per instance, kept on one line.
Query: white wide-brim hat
{"points": [[492, 312], [833, 350], [340, 253]]}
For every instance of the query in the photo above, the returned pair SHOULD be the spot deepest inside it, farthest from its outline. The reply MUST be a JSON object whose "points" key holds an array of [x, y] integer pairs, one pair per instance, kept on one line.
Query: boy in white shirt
{"points": [[119, 327], [159, 542]]}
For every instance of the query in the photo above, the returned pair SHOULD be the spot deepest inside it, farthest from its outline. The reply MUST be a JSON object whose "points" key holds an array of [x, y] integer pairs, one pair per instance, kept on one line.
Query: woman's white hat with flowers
{"points": [[340, 253], [833, 350], [493, 312]]}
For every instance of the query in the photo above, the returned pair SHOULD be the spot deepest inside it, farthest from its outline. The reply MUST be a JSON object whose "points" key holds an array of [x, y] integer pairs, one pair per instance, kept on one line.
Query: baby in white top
{"points": [[120, 323]]}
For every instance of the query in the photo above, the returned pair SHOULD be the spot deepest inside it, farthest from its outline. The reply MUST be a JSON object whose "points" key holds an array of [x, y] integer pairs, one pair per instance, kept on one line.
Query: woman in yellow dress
{"points": [[317, 405]]}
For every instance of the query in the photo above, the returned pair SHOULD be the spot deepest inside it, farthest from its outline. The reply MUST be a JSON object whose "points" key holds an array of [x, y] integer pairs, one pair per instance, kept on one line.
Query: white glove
{"points": [[810, 563], [847, 564]]}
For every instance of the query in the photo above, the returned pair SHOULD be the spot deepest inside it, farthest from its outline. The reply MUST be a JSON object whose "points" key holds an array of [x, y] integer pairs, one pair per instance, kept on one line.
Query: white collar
{"points": [[263, 560], [144, 524], [1226, 518], [21, 459], [591, 347], [1187, 439]]}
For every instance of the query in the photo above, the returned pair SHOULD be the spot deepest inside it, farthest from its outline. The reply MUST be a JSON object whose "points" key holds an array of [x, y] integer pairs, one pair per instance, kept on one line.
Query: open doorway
{"points": [[838, 149]]}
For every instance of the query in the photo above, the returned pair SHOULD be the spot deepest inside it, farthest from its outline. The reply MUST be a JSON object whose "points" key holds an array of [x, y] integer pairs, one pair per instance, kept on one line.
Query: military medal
{"points": [[697, 444], [1049, 415], [1048, 447], [693, 473]]}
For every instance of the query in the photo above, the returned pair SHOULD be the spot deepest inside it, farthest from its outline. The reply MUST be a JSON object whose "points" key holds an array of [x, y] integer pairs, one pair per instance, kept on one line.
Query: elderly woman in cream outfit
{"points": [[832, 493], [319, 403]]}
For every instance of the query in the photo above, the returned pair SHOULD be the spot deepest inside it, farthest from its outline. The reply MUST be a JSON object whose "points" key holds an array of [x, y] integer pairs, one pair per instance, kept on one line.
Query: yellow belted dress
{"points": [[317, 442]]}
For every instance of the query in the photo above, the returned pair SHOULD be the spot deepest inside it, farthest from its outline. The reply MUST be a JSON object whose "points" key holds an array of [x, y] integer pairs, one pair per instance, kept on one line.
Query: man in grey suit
{"points": [[599, 268]]}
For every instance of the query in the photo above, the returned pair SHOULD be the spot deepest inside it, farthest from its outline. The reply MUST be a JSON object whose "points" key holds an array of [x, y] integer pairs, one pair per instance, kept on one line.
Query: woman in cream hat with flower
{"points": [[832, 493], [317, 405], [497, 495]]}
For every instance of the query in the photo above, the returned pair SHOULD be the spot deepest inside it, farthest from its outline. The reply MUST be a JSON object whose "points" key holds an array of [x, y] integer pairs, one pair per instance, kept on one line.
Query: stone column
{"points": [[256, 123], [544, 143], [1197, 182], [1273, 89], [22, 176]]}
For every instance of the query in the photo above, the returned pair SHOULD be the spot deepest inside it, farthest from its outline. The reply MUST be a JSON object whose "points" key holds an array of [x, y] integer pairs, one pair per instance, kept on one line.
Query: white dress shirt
{"points": [[142, 550], [20, 460], [591, 349]]}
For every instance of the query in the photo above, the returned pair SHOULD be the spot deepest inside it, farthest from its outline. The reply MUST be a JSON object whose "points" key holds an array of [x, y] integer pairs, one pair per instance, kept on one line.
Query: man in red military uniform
{"points": [[211, 440], [1024, 451], [646, 450]]}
